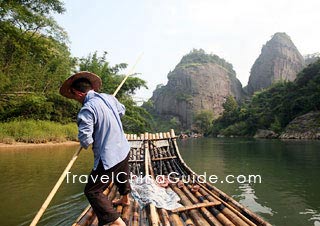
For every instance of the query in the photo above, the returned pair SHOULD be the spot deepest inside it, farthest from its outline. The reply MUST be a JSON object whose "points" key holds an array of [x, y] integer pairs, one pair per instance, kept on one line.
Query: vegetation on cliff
{"points": [[194, 93], [272, 108], [197, 57], [35, 60]]}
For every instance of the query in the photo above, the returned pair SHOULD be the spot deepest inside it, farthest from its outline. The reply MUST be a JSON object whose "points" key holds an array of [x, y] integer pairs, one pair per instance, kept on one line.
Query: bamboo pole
{"points": [[55, 188], [164, 158], [153, 216], [135, 215], [143, 218], [195, 215], [187, 220], [175, 220], [164, 217], [229, 206], [206, 213], [250, 213], [195, 206]]}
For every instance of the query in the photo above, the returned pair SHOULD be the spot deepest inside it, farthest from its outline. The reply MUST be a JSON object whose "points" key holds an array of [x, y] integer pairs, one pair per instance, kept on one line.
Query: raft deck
{"points": [[203, 204]]}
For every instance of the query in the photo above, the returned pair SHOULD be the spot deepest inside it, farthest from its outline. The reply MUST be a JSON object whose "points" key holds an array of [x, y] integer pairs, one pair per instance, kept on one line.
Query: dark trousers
{"points": [[100, 204]]}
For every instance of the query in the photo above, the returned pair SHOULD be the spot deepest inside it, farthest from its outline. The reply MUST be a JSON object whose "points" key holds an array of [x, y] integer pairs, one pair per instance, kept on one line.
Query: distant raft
{"points": [[154, 155]]}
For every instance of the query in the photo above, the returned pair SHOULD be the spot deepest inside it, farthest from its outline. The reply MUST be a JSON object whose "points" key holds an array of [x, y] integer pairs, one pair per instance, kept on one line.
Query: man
{"points": [[99, 124]]}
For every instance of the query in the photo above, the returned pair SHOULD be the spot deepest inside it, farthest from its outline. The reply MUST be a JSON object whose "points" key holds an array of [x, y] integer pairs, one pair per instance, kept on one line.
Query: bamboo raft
{"points": [[203, 204]]}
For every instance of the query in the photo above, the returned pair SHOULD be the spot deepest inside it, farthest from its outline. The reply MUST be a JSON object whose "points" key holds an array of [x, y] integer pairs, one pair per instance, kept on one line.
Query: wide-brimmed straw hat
{"points": [[95, 80]]}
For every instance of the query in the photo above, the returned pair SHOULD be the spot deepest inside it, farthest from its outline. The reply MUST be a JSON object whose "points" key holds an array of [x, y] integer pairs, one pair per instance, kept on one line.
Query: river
{"points": [[288, 193]]}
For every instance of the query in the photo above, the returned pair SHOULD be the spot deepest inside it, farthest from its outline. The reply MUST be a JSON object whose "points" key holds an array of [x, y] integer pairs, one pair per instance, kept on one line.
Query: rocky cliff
{"points": [[306, 126], [199, 82], [279, 60]]}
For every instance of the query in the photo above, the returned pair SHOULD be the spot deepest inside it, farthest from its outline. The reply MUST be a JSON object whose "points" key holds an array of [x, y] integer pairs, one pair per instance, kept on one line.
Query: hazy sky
{"points": [[165, 30]]}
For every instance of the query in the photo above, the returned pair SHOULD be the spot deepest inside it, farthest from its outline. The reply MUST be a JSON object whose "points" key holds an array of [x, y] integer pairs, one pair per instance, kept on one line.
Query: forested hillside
{"points": [[272, 108], [35, 60]]}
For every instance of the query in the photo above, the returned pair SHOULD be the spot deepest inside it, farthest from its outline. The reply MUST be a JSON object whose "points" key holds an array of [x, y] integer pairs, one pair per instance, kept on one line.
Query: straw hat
{"points": [[94, 79]]}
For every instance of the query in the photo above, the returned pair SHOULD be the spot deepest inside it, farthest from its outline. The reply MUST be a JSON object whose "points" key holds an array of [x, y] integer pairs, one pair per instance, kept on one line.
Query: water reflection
{"points": [[288, 194], [249, 199], [289, 172], [315, 216]]}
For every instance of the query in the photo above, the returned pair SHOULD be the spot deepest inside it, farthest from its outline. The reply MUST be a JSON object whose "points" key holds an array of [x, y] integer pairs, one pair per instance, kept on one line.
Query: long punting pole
{"points": [[70, 164]]}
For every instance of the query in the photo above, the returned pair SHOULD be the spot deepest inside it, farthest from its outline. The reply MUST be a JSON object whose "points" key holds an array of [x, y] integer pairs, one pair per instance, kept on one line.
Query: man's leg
{"points": [[100, 203], [122, 181]]}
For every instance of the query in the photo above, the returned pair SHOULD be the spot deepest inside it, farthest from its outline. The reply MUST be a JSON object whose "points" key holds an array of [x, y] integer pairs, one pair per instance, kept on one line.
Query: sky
{"points": [[163, 31]]}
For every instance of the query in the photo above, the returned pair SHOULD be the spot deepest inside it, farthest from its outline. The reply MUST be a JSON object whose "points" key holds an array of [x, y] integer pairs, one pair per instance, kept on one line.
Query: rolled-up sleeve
{"points": [[85, 126]]}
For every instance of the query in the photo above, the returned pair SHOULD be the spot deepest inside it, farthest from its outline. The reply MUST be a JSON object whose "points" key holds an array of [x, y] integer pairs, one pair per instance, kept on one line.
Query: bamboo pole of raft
{"points": [[195, 206], [206, 213], [217, 216], [225, 203], [187, 220], [70, 164], [135, 215], [237, 206], [175, 220], [195, 215], [231, 208], [164, 217], [185, 165]]}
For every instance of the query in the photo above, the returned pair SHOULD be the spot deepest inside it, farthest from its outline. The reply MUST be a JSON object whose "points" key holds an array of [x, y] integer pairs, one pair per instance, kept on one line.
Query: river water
{"points": [[289, 192]]}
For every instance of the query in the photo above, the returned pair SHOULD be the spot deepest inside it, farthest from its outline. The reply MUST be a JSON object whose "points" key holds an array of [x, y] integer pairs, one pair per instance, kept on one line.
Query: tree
{"points": [[33, 52], [110, 75], [203, 121], [136, 119]]}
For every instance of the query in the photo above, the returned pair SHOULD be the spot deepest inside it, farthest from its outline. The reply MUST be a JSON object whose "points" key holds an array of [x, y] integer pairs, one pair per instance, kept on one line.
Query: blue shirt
{"points": [[99, 124]]}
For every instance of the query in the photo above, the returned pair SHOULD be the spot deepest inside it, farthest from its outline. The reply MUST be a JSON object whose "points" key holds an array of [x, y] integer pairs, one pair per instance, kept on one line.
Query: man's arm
{"points": [[85, 127]]}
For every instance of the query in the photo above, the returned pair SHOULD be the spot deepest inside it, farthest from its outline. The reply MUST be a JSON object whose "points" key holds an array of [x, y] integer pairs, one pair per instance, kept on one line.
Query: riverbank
{"points": [[18, 145], [37, 132]]}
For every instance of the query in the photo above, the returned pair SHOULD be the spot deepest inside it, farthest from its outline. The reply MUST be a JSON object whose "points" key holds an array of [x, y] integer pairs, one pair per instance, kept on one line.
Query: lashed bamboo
{"points": [[212, 218], [164, 135], [163, 158], [206, 213], [164, 217], [135, 214], [200, 205], [187, 220], [224, 219], [195, 215], [175, 220], [195, 206], [232, 204], [153, 216], [235, 211]]}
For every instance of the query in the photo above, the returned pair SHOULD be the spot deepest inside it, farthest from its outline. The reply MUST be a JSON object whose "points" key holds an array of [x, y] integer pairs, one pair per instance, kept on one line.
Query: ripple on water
{"points": [[249, 199], [55, 215], [314, 216]]}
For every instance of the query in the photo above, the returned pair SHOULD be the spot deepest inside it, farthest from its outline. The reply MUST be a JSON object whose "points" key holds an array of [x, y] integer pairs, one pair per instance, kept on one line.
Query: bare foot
{"points": [[122, 201]]}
